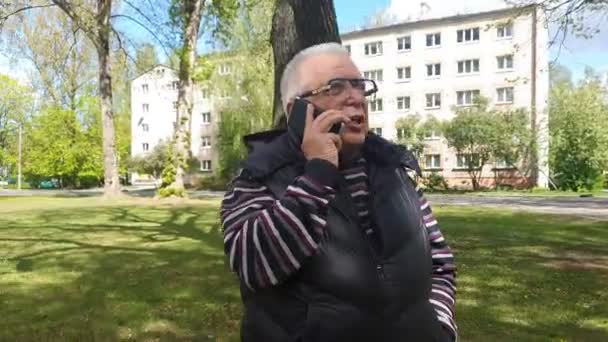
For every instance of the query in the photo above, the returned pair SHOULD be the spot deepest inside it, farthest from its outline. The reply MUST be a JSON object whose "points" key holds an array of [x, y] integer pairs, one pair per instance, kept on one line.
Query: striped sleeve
{"points": [[443, 292], [265, 238]]}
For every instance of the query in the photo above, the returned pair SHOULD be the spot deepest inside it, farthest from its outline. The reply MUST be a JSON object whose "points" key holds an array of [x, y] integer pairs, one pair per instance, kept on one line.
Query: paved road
{"points": [[595, 207]]}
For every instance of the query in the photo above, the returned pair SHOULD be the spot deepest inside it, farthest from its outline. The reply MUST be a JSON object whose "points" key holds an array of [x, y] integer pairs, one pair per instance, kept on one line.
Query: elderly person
{"points": [[329, 235]]}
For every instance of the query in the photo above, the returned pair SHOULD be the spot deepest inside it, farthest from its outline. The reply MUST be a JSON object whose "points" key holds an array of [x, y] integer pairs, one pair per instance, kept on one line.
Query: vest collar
{"points": [[272, 150]]}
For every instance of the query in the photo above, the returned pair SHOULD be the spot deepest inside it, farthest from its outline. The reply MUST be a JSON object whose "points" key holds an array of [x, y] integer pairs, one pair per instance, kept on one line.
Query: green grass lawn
{"points": [[140, 270]]}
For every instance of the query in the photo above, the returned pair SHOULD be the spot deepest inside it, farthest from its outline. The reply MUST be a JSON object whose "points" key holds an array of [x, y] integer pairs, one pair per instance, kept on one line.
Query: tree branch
{"points": [[69, 10], [120, 44], [145, 28], [23, 9]]}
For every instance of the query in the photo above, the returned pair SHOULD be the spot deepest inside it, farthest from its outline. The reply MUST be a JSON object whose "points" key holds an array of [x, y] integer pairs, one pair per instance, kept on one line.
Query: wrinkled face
{"points": [[316, 72]]}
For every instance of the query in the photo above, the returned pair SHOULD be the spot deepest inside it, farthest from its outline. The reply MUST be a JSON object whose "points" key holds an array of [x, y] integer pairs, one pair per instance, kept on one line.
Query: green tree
{"points": [[15, 107], [249, 107], [189, 16], [151, 163], [470, 133], [412, 132], [511, 141], [578, 127]]}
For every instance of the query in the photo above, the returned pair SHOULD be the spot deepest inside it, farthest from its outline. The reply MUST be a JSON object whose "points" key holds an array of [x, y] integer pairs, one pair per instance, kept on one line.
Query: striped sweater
{"points": [[268, 238]]}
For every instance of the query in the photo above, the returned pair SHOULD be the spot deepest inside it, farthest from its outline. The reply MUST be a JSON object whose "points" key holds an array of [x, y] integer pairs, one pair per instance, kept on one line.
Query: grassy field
{"points": [[140, 270]]}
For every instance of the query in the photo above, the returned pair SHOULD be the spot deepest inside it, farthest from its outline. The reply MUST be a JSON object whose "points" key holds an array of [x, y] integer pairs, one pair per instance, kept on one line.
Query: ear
{"points": [[289, 108]]}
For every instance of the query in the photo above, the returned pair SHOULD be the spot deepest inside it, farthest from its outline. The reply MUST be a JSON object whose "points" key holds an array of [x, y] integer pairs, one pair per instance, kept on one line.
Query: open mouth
{"points": [[357, 119]]}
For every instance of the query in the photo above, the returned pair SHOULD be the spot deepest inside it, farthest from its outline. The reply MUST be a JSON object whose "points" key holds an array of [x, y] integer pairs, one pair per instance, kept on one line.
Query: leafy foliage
{"points": [[249, 107], [484, 134], [578, 127], [15, 107], [151, 163]]}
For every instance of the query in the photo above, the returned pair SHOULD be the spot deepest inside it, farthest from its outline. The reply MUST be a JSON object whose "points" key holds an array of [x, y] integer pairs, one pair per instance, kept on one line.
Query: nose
{"points": [[354, 97]]}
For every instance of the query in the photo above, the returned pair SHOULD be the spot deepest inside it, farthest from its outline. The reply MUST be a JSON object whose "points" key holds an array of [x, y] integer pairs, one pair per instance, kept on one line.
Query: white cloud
{"points": [[404, 10]]}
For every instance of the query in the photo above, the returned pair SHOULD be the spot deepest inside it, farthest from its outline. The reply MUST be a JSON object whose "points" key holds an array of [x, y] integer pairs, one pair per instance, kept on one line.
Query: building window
{"points": [[433, 39], [468, 35], [206, 165], [175, 106], [347, 47], [145, 107], [504, 31], [376, 75], [145, 147], [400, 133], [432, 161], [373, 49], [466, 97], [161, 71], [377, 131], [505, 62], [375, 105], [433, 70], [206, 142], [500, 163], [468, 66], [433, 101], [145, 127], [404, 43], [205, 93], [206, 118], [224, 94], [432, 135], [144, 88], [175, 85], [504, 95], [467, 160], [404, 73], [225, 69], [403, 103]]}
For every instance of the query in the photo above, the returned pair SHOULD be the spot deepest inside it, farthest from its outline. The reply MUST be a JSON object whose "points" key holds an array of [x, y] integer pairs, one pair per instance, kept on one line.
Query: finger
{"points": [[324, 121], [336, 140], [309, 117]]}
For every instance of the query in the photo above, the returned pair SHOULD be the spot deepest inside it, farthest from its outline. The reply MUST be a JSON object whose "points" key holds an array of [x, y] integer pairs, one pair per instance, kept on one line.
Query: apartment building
{"points": [[434, 66], [429, 68], [154, 115]]}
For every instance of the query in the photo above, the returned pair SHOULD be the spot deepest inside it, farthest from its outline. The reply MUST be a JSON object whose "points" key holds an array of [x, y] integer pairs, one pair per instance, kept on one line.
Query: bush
{"points": [[435, 182], [211, 183], [87, 180], [168, 192]]}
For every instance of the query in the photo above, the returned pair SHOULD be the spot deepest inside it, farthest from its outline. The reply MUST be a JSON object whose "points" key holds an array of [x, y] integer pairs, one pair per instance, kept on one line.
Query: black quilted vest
{"points": [[353, 289]]}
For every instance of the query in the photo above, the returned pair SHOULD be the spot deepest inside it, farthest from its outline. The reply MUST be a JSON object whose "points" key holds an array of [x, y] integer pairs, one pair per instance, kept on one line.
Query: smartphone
{"points": [[297, 118]]}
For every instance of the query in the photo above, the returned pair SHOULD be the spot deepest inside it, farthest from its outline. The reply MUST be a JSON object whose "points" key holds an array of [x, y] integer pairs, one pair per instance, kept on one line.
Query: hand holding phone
{"points": [[318, 140]]}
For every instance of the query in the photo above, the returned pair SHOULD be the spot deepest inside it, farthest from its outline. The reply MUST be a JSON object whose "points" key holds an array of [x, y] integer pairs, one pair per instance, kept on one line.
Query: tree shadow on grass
{"points": [[107, 274], [510, 285]]}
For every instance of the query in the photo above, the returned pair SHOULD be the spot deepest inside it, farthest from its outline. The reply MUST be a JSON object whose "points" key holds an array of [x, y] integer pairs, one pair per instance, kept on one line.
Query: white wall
{"points": [[448, 54]]}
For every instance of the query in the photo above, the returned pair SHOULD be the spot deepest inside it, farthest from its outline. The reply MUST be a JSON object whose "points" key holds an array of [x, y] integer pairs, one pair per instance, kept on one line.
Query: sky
{"points": [[576, 54]]}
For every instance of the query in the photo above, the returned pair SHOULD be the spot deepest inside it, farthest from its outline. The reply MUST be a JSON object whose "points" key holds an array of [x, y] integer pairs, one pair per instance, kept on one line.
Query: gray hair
{"points": [[290, 85]]}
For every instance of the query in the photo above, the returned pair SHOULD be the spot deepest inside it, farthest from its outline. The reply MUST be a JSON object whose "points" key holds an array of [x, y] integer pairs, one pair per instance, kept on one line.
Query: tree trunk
{"points": [[296, 25], [110, 164], [185, 97]]}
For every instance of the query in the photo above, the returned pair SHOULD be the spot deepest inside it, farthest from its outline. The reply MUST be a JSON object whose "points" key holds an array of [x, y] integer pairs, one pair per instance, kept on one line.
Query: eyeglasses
{"points": [[337, 86]]}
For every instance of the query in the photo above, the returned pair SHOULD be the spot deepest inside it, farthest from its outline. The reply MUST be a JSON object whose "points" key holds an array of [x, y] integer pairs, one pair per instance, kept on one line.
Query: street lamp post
{"points": [[19, 162]]}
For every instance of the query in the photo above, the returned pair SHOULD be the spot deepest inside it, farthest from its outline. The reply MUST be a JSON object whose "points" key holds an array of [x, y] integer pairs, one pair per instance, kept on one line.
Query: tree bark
{"points": [[296, 25], [110, 163], [193, 11]]}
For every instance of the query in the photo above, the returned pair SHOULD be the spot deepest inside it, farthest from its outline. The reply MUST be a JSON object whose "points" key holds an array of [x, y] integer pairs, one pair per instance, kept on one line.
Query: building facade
{"points": [[432, 67], [154, 114], [428, 68]]}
